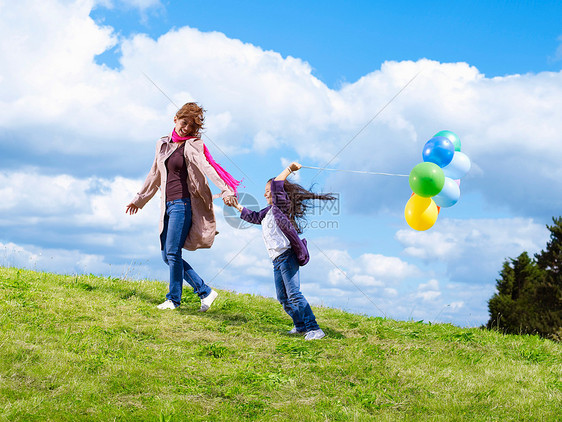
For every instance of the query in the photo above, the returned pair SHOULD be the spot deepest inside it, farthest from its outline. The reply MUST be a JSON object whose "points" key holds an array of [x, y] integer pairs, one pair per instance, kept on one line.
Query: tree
{"points": [[549, 292], [512, 308], [529, 292]]}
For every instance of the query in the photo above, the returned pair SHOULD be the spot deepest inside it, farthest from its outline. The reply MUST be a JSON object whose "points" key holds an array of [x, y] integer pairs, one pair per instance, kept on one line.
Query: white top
{"points": [[275, 241]]}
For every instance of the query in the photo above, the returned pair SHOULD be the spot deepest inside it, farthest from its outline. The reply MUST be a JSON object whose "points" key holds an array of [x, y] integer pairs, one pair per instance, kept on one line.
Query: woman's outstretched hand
{"points": [[131, 209]]}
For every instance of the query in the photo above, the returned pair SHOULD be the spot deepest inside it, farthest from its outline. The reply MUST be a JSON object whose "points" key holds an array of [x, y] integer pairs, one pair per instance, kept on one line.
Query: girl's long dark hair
{"points": [[301, 202]]}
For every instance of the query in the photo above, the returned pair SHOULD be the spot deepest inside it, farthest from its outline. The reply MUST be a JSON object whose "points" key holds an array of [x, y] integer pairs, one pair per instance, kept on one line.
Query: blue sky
{"points": [[281, 82], [344, 41]]}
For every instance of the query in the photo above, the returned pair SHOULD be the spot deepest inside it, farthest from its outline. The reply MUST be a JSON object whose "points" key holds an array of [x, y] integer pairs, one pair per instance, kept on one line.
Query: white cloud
{"points": [[390, 292], [368, 269], [89, 202], [367, 280], [387, 267], [457, 305], [474, 250], [62, 261], [82, 215], [429, 295], [429, 291], [47, 48], [141, 5], [430, 285]]}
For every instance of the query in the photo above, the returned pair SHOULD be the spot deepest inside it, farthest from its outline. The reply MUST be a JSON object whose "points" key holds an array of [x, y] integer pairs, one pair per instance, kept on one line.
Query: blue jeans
{"points": [[177, 221], [287, 285]]}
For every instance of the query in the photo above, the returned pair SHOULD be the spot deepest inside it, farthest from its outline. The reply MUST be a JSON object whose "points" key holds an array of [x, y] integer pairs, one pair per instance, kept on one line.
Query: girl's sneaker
{"points": [[295, 331], [314, 334]]}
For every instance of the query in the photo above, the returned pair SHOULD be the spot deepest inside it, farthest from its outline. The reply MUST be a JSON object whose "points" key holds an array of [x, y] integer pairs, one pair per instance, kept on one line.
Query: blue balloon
{"points": [[438, 150], [449, 195]]}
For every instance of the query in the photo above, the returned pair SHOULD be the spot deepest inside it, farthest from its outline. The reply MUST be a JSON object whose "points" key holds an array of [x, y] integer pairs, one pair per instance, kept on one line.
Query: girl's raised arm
{"points": [[294, 166]]}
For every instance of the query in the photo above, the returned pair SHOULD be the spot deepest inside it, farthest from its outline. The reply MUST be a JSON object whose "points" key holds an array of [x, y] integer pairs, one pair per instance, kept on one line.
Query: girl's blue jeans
{"points": [[177, 221], [287, 285]]}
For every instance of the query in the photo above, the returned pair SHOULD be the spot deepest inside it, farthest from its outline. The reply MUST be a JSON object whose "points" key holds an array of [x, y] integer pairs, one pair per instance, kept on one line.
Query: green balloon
{"points": [[427, 179], [452, 137]]}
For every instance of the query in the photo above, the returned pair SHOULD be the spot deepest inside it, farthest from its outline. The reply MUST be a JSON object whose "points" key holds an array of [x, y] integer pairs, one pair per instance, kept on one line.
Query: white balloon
{"points": [[449, 195], [458, 167]]}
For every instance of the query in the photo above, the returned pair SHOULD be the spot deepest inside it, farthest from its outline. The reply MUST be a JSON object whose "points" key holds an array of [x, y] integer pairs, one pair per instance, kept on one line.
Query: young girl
{"points": [[288, 203]]}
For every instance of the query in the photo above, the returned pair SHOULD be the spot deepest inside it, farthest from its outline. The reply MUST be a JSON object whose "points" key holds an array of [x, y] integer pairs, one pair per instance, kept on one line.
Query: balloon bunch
{"points": [[436, 182]]}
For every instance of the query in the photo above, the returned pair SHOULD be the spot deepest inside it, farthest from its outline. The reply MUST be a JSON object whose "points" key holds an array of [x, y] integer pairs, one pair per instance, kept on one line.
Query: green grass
{"points": [[90, 348]]}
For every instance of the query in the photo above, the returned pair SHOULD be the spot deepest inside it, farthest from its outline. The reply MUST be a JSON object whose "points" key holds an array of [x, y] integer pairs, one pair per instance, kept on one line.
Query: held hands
{"points": [[230, 200], [234, 203]]}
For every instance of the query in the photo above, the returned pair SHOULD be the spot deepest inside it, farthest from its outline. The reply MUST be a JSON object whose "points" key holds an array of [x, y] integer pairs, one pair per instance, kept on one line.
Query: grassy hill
{"points": [[89, 348]]}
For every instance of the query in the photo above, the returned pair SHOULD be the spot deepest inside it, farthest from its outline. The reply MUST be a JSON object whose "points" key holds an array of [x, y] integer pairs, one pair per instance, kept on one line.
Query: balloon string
{"points": [[357, 171]]}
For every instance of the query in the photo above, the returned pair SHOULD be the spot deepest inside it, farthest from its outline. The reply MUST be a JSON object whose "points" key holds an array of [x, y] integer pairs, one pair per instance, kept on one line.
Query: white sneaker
{"points": [[167, 305], [295, 331], [208, 301], [314, 335]]}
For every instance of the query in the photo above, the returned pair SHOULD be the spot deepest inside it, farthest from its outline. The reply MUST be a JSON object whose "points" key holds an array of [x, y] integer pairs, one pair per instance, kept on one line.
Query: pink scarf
{"points": [[223, 174], [178, 138]]}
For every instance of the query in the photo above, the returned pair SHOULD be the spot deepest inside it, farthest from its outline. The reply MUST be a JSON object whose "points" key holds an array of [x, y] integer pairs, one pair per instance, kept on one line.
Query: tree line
{"points": [[529, 291]]}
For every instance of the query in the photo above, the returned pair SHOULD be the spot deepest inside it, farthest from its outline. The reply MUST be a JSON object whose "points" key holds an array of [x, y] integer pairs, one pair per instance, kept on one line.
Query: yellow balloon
{"points": [[420, 213]]}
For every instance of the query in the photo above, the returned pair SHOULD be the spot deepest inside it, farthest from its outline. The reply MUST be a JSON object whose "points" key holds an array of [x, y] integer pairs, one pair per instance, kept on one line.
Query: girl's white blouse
{"points": [[275, 241]]}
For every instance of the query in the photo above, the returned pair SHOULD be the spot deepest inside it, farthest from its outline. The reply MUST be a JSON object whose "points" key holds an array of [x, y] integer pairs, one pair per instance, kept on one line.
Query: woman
{"points": [[187, 219]]}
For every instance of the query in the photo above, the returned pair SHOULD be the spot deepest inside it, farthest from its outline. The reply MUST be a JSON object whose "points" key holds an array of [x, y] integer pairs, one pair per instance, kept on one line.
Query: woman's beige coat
{"points": [[203, 224]]}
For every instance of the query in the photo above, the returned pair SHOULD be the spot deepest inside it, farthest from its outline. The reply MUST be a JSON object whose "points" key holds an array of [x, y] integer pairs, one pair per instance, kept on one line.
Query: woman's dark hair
{"points": [[300, 201]]}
